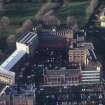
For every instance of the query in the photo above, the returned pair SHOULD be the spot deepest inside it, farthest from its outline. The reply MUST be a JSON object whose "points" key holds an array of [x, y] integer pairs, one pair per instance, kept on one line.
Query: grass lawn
{"points": [[77, 9]]}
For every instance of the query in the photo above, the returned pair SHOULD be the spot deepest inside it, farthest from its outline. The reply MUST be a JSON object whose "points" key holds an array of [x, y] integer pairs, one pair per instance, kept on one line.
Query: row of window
{"points": [[62, 80], [5, 79], [76, 57], [63, 73]]}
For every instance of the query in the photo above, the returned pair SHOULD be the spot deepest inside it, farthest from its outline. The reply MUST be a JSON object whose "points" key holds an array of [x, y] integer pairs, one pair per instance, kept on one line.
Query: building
{"points": [[102, 18], [63, 76], [24, 46], [7, 77], [80, 58], [58, 78], [17, 100], [6, 73], [78, 55], [23, 100], [5, 100], [91, 74], [55, 36], [80, 36], [86, 45], [3, 87], [28, 42]]}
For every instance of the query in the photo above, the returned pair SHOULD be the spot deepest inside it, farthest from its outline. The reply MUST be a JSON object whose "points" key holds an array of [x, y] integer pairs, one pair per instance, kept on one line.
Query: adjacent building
{"points": [[62, 76], [17, 100], [91, 73], [78, 55], [28, 42], [26, 45], [82, 58], [23, 100], [102, 18], [5, 100], [54, 37]]}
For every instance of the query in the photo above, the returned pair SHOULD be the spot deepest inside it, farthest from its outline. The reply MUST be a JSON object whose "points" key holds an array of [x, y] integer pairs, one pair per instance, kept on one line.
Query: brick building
{"points": [[62, 76], [78, 55], [55, 36]]}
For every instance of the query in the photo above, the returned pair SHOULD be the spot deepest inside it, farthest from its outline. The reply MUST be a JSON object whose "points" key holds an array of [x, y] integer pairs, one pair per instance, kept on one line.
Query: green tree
{"points": [[91, 7]]}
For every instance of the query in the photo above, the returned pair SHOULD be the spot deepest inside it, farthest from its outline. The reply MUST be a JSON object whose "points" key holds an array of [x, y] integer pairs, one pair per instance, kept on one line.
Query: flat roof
{"points": [[70, 72], [12, 59], [78, 50], [56, 26], [27, 37], [6, 72], [87, 45]]}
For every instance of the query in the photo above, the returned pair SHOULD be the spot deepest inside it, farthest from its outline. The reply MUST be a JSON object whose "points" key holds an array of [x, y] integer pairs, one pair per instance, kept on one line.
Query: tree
{"points": [[71, 20], [50, 19], [11, 39], [19, 30], [27, 25], [5, 21]]}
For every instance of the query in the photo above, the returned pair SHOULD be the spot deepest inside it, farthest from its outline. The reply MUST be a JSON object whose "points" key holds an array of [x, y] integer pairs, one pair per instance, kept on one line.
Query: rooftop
{"points": [[6, 72], [87, 45], [70, 72], [51, 26], [12, 59], [93, 66], [27, 38]]}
